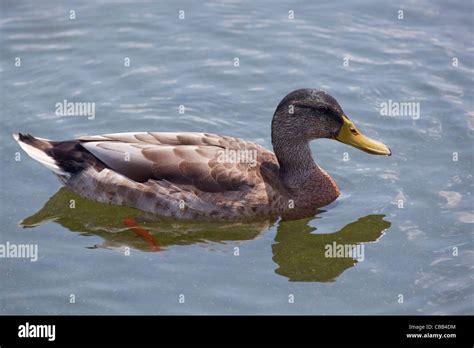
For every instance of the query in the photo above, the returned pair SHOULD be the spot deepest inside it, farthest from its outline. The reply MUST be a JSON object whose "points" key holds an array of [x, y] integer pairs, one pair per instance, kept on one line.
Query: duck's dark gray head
{"points": [[311, 114]]}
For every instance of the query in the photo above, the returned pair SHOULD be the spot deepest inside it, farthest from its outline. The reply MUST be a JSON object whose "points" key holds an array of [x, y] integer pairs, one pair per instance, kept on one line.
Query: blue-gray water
{"points": [[424, 190]]}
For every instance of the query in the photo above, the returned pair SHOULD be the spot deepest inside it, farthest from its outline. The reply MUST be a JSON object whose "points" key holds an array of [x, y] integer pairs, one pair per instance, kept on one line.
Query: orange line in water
{"points": [[141, 232]]}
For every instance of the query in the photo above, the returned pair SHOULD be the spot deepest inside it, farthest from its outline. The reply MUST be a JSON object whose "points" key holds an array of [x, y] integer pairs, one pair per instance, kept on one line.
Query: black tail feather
{"points": [[31, 140], [69, 155]]}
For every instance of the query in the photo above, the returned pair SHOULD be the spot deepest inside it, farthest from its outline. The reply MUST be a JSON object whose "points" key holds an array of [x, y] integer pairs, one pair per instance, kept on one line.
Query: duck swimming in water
{"points": [[206, 176]]}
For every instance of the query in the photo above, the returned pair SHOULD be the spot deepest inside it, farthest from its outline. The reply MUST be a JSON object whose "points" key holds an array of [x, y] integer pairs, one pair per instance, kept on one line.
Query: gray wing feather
{"points": [[124, 158]]}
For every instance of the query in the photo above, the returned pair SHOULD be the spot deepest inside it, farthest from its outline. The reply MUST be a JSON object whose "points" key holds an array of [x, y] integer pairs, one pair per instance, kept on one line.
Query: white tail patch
{"points": [[40, 156]]}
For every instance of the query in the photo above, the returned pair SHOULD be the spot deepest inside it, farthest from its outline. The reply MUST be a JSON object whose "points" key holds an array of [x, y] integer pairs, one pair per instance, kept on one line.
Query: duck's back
{"points": [[206, 162]]}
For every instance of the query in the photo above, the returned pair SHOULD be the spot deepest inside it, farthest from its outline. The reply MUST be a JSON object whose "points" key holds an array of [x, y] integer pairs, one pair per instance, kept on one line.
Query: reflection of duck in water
{"points": [[122, 226], [303, 256], [300, 255], [207, 176]]}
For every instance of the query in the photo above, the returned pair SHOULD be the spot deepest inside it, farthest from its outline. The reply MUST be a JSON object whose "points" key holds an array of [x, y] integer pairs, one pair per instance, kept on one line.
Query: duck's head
{"points": [[310, 114]]}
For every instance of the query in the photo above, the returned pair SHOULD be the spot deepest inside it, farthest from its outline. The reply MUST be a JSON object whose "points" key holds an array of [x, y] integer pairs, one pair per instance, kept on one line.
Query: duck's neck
{"points": [[294, 156], [301, 176]]}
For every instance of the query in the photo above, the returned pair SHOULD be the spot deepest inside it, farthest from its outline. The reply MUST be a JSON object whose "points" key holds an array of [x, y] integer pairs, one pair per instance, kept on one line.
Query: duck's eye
{"points": [[322, 109]]}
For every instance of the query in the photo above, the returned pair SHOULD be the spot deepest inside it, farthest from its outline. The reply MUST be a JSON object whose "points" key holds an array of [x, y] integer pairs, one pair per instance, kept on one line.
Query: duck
{"points": [[203, 176]]}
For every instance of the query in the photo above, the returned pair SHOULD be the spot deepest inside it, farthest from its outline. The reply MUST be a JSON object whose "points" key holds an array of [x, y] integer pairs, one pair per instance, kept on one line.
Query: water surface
{"points": [[412, 212]]}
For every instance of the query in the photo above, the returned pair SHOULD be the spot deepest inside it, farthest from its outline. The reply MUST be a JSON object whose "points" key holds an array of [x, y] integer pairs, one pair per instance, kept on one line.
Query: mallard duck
{"points": [[208, 176]]}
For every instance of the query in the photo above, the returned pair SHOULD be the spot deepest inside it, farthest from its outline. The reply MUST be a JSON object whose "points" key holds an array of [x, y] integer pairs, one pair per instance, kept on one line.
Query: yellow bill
{"points": [[350, 135]]}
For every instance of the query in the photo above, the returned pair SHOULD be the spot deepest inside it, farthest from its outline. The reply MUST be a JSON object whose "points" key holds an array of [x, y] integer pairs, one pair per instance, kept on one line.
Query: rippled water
{"points": [[412, 212]]}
